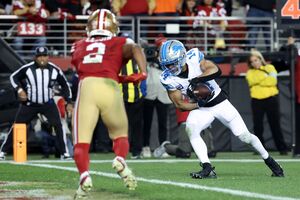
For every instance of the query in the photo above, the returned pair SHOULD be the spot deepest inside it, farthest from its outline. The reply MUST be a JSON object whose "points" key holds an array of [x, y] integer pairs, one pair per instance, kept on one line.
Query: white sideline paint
{"points": [[161, 161], [178, 184]]}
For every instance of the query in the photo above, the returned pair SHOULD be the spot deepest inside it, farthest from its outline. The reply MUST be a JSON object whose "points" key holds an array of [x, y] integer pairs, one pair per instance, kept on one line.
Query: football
{"points": [[202, 91]]}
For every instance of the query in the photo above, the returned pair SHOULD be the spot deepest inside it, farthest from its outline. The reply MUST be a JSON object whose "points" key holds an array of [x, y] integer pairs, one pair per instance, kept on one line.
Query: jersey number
{"points": [[291, 9], [96, 57]]}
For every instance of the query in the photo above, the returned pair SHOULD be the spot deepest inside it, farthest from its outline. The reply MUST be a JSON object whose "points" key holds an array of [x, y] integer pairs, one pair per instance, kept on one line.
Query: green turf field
{"points": [[240, 176]]}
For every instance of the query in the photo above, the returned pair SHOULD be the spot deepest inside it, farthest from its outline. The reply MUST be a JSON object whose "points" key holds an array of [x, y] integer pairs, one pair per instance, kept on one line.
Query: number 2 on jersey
{"points": [[96, 57]]}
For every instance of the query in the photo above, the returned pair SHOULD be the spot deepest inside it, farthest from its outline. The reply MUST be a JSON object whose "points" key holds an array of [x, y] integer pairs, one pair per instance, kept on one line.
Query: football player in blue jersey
{"points": [[184, 73]]}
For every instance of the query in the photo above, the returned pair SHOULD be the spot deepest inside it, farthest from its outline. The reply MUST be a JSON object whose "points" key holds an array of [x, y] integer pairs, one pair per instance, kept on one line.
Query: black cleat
{"points": [[206, 172], [275, 167]]}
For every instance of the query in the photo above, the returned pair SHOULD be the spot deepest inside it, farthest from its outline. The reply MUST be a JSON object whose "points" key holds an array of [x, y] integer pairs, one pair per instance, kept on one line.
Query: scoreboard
{"points": [[288, 14]]}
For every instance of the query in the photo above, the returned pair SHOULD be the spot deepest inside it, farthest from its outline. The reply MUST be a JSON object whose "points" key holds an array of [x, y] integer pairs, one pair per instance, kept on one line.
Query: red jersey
{"points": [[209, 11], [40, 16], [98, 57]]}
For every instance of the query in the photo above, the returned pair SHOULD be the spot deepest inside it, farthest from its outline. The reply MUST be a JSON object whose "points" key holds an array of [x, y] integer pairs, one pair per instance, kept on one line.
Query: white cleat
{"points": [[124, 172], [2, 155], [84, 188]]}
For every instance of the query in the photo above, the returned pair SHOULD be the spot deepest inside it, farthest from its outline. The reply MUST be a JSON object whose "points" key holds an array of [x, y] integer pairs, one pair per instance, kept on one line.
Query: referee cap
{"points": [[41, 51]]}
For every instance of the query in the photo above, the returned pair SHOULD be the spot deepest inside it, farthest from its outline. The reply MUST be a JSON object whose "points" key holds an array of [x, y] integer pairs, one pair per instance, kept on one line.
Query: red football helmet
{"points": [[102, 22]]}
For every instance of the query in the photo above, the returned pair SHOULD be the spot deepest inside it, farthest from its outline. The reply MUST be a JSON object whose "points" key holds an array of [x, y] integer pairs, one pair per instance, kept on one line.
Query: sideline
{"points": [[157, 161], [178, 184]]}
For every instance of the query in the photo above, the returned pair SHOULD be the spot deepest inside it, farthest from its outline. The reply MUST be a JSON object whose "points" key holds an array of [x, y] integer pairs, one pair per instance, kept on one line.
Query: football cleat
{"points": [[275, 167], [120, 166], [84, 188], [2, 155], [206, 172]]}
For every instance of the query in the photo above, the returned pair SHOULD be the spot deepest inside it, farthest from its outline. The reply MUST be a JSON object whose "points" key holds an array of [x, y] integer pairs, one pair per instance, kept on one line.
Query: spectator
{"points": [[134, 8], [226, 4], [62, 10], [263, 10], [90, 6], [5, 7], [282, 63], [37, 97], [34, 12], [167, 8], [215, 28], [262, 81], [133, 100], [189, 9]]}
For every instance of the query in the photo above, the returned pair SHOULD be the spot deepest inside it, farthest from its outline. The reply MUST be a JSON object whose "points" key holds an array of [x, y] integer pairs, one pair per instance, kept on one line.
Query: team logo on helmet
{"points": [[102, 22], [172, 56]]}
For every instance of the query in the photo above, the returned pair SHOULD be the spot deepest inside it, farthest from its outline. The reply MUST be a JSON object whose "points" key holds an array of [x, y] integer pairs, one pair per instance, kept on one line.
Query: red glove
{"points": [[133, 78]]}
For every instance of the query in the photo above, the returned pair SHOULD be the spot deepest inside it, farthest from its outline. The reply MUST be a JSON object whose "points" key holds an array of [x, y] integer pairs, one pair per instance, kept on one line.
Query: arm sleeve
{"points": [[204, 79], [66, 90], [17, 76]]}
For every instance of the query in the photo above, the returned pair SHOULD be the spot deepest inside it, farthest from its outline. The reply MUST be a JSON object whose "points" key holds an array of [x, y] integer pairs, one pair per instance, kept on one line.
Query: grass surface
{"points": [[157, 179]]}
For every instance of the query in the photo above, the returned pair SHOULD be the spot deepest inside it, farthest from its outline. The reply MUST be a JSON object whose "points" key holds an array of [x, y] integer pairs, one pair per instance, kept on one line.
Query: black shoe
{"points": [[206, 172], [275, 167]]}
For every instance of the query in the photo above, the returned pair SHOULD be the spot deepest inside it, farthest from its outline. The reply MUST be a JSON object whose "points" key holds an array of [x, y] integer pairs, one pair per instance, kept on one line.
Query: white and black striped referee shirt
{"points": [[40, 82]]}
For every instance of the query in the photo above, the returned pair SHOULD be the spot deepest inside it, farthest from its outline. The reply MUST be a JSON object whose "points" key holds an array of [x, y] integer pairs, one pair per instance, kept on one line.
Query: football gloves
{"points": [[133, 78], [194, 83]]}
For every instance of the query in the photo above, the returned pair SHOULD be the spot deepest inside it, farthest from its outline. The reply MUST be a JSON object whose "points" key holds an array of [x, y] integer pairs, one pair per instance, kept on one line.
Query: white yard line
{"points": [[162, 161], [178, 184]]}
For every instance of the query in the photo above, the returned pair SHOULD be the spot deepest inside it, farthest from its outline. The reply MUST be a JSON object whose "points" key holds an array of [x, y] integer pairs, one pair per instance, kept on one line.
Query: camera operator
{"points": [[156, 98]]}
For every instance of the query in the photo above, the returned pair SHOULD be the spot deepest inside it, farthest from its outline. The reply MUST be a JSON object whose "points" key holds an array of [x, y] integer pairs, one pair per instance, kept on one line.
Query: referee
{"points": [[34, 84]]}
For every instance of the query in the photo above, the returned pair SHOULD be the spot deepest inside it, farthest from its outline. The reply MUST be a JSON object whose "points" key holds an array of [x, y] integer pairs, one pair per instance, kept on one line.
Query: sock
{"points": [[199, 147], [257, 145], [81, 157], [121, 146]]}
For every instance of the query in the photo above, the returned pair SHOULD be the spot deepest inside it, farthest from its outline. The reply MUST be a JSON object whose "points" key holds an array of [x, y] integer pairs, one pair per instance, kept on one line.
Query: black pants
{"points": [[297, 147], [270, 106], [27, 112], [135, 121], [162, 116]]}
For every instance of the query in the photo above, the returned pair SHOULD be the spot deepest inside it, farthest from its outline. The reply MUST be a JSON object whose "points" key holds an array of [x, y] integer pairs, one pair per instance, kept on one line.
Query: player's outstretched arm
{"points": [[133, 50], [176, 98]]}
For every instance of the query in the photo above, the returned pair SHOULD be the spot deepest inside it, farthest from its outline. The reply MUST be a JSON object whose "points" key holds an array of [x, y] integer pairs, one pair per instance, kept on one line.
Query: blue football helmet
{"points": [[172, 56]]}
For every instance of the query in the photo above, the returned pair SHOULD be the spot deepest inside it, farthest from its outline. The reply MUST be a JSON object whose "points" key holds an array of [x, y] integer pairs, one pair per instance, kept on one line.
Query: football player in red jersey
{"points": [[98, 60]]}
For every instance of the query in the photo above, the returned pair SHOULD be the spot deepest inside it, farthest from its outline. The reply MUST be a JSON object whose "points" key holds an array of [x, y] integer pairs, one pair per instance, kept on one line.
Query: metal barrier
{"points": [[192, 31]]}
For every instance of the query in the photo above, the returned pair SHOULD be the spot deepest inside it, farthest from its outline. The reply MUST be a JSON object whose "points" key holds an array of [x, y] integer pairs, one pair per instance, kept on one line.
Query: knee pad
{"points": [[245, 137]]}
